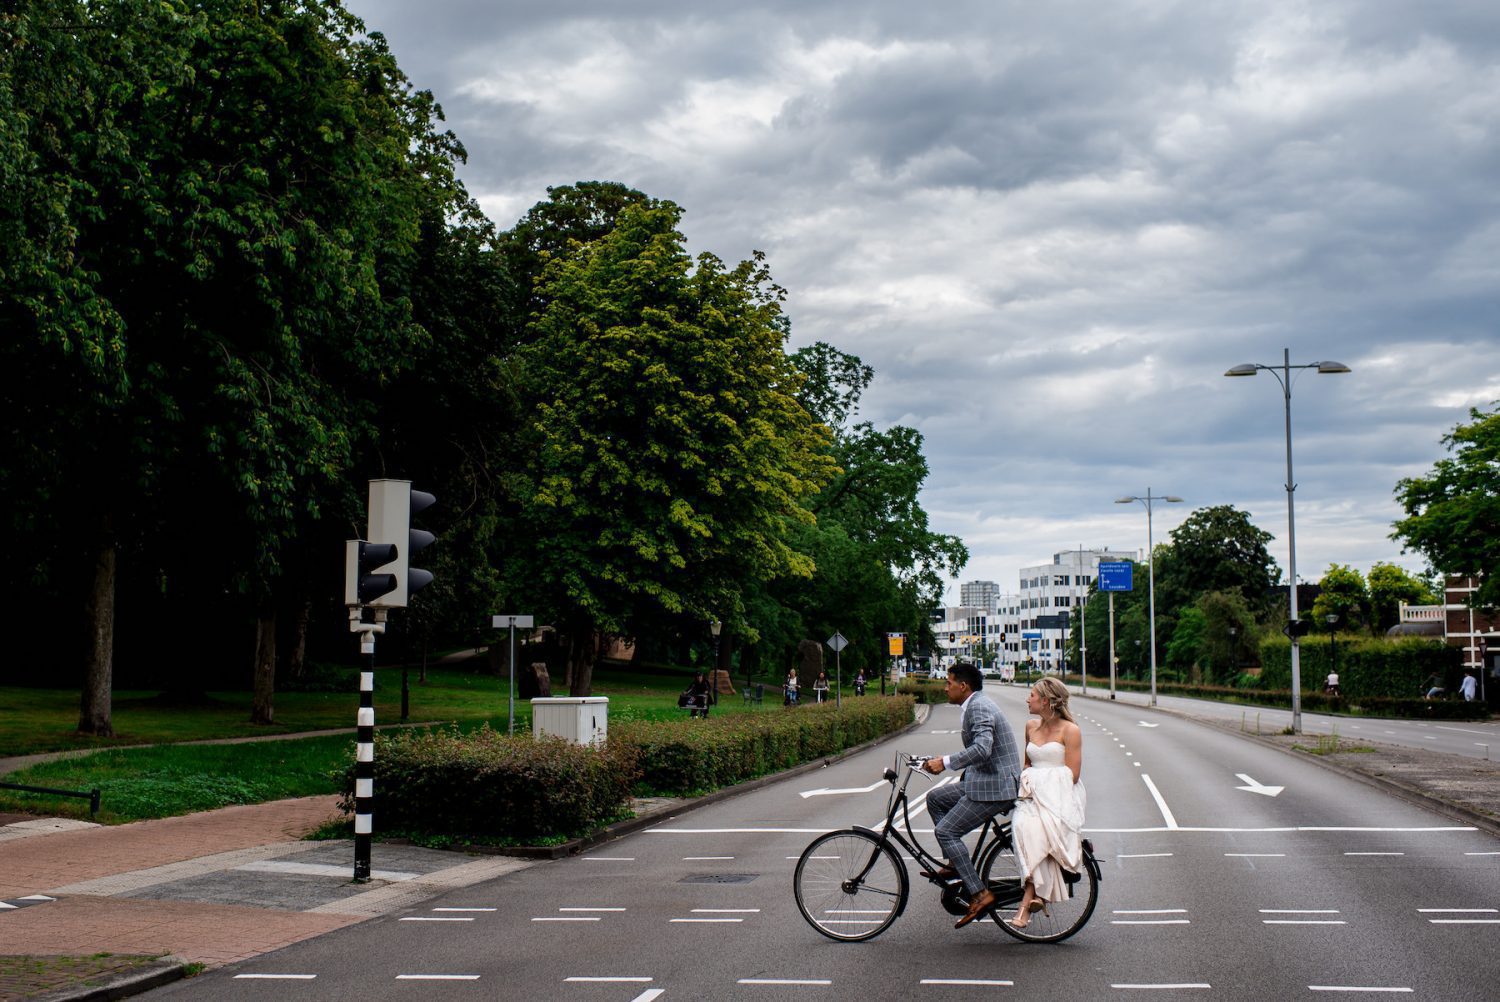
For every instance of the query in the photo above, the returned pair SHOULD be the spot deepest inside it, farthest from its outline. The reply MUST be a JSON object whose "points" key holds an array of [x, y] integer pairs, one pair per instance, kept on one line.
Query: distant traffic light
{"points": [[361, 584], [1298, 627], [392, 505]]}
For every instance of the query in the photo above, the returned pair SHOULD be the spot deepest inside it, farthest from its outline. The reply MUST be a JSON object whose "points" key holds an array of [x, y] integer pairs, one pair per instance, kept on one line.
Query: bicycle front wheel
{"points": [[850, 886], [1001, 872]]}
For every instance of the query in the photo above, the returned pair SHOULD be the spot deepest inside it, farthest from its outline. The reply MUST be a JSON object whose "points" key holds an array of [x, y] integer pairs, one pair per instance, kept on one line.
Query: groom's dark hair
{"points": [[968, 674]]}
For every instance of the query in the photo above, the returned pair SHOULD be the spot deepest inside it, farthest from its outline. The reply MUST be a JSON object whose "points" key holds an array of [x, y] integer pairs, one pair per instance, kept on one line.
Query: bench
{"points": [[753, 694]]}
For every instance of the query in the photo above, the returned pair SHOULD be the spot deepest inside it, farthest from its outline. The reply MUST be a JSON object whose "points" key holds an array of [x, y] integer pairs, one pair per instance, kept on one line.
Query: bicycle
{"points": [[851, 884]]}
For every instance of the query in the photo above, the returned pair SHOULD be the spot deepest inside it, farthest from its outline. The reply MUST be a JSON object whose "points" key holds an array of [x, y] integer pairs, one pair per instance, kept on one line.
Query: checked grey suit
{"points": [[991, 761]]}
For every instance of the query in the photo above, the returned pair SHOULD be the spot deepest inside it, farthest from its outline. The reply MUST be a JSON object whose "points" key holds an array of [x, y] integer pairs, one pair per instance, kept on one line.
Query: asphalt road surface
{"points": [[1470, 738], [1231, 871]]}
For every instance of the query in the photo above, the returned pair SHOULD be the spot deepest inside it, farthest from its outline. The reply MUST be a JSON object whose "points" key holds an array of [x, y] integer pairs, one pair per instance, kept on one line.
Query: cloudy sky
{"points": [[1050, 227]]}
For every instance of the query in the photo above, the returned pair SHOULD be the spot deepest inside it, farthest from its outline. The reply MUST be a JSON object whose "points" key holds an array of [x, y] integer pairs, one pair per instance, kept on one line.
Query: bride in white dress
{"points": [[1047, 821]]}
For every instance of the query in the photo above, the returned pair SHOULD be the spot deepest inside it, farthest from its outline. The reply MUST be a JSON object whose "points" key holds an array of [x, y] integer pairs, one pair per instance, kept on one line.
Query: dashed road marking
{"points": [[274, 977]]}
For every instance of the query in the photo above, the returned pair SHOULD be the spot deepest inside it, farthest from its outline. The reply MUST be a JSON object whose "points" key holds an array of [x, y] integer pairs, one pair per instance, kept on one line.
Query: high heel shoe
{"points": [[1038, 905]]}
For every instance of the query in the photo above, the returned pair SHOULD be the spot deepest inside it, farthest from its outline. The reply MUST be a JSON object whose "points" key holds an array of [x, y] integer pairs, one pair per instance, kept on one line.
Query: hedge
{"points": [[1368, 666], [1318, 702], [692, 756], [484, 786], [924, 690]]}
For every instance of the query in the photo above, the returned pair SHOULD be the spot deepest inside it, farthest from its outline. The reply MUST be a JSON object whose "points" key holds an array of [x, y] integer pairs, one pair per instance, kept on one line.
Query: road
{"points": [[1323, 887], [1472, 739]]}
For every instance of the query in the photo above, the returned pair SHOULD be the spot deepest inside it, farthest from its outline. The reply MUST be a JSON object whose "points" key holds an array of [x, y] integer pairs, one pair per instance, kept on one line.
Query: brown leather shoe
{"points": [[983, 902], [943, 872]]}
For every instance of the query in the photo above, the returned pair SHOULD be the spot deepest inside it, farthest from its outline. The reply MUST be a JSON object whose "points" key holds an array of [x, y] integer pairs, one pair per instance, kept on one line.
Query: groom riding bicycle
{"points": [[991, 764]]}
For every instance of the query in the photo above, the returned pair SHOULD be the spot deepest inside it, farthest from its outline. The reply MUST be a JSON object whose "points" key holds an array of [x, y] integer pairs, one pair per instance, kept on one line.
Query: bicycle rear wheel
{"points": [[1002, 874], [850, 886]]}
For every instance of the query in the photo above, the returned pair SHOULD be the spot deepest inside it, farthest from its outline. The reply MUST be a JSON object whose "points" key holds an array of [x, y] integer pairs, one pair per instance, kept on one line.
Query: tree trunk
{"points": [[94, 715], [583, 651], [262, 709], [296, 661]]}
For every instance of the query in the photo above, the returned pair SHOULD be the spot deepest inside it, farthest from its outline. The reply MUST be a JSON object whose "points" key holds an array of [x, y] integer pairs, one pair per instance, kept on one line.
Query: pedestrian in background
{"points": [[820, 686], [860, 683], [790, 689], [1469, 687]]}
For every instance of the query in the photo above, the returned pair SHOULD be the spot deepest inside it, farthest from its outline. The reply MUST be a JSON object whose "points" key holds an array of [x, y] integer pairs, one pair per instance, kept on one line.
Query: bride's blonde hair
{"points": [[1055, 694]]}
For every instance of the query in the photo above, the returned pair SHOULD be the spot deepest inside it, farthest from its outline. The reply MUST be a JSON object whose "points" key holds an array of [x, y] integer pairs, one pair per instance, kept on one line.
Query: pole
{"points": [[512, 692], [1083, 628], [1291, 544], [1112, 645], [838, 680], [1151, 587]]}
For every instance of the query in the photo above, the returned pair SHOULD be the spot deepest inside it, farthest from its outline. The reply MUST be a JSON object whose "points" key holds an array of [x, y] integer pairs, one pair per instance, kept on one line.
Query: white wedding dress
{"points": [[1047, 821]]}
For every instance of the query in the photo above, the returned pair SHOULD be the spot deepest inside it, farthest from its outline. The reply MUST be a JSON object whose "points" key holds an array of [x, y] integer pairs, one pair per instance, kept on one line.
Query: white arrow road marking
{"points": [[1254, 787], [826, 792], [1144, 724]]}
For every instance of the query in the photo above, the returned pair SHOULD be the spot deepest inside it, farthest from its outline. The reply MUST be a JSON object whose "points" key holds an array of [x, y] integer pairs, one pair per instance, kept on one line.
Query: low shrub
{"points": [[484, 784], [924, 690], [1367, 666], [1430, 709], [692, 756]]}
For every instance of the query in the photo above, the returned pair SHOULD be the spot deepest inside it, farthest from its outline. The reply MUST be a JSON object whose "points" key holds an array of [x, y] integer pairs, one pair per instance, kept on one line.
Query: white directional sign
{"points": [[825, 792], [1254, 787], [837, 642]]}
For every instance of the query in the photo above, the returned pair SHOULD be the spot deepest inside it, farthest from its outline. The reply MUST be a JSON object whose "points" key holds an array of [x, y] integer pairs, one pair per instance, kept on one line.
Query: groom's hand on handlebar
{"points": [[933, 765]]}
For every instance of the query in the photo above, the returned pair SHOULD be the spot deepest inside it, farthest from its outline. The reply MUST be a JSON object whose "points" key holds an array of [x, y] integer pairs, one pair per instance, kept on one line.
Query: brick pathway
{"points": [[34, 865]]}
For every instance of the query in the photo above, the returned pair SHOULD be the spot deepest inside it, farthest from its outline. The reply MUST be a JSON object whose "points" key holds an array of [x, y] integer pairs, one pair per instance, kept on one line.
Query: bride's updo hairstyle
{"points": [[1055, 695]]}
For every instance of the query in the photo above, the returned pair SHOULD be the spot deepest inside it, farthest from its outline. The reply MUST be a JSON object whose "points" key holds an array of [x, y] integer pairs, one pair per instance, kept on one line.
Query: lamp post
{"points": [[1283, 374], [1234, 653], [1138, 663], [713, 689], [1147, 500]]}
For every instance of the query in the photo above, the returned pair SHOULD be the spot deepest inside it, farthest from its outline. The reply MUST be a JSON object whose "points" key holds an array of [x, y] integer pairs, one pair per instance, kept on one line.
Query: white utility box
{"points": [[583, 720]]}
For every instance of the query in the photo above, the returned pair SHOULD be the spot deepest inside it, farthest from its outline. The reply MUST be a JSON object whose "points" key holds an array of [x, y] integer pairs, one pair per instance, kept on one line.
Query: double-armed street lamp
{"points": [[1283, 374], [1146, 499]]}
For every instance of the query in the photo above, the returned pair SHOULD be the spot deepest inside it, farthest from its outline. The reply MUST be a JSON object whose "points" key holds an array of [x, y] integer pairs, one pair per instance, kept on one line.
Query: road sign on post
{"points": [[1115, 575], [838, 643], [512, 621]]}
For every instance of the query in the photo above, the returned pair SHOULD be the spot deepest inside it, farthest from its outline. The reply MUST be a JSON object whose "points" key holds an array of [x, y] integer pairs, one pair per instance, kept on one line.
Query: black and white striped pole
{"points": [[364, 756]]}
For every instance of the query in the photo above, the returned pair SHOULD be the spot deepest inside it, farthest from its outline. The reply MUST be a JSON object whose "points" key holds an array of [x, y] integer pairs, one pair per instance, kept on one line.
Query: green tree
{"points": [[1229, 636], [669, 453], [1215, 549], [1453, 513], [1389, 586], [1342, 595], [1184, 648]]}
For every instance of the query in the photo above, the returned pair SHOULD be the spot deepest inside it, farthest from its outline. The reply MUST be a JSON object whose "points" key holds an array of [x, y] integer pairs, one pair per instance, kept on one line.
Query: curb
{"points": [[623, 828], [122, 986], [1398, 790]]}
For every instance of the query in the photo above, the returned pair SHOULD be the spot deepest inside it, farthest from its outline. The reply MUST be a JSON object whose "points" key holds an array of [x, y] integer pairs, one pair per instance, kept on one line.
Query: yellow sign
{"points": [[897, 642]]}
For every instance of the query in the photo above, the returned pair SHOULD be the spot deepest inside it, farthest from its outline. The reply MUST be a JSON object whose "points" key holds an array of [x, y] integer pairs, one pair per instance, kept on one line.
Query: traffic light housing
{"points": [[362, 584], [392, 505], [1297, 627]]}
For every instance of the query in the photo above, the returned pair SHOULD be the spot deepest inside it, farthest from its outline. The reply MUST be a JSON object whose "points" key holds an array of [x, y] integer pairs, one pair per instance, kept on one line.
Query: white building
{"points": [[1052, 589], [979, 595]]}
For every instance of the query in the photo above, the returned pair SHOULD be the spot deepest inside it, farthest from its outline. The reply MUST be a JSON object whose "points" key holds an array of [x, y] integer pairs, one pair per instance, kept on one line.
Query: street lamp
{"points": [[1283, 374], [1332, 619], [1146, 500], [713, 688]]}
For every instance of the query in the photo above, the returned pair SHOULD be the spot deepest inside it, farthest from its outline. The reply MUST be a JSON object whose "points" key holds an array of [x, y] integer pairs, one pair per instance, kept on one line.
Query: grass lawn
{"points": [[43, 720]]}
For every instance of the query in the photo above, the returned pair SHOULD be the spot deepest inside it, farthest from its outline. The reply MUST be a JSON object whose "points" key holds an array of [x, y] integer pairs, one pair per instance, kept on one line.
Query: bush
{"points": [[1367, 667], [484, 784], [924, 690], [691, 756]]}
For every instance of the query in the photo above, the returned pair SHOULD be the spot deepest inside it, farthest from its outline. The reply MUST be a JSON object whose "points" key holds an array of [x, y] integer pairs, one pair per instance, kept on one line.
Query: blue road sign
{"points": [[1114, 575]]}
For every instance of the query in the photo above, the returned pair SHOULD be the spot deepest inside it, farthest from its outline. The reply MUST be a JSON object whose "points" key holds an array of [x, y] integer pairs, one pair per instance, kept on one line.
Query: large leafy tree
{"points": [[1342, 594], [234, 191], [1215, 549], [1453, 512], [1389, 586], [669, 456]]}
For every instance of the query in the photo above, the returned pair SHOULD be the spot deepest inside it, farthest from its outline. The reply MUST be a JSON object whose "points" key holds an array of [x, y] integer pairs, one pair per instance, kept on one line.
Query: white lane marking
{"points": [[1374, 854], [974, 982], [813, 857], [1254, 855], [1140, 855], [649, 994], [826, 792], [857, 911], [706, 920], [1150, 911], [435, 918], [43, 897], [847, 921], [1166, 814], [610, 859], [689, 859], [610, 980], [1252, 786], [437, 977], [1428, 737], [1179, 985], [1352, 988], [1482, 854], [729, 911], [569, 918], [1463, 730], [1299, 911], [1435, 911], [572, 909], [465, 909], [1303, 922], [783, 981], [274, 977], [1144, 724], [1150, 922], [1136, 764], [1464, 921]]}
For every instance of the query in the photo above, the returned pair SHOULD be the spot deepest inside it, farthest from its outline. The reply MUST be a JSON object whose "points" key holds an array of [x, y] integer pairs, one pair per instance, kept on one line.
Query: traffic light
{"points": [[392, 505], [1298, 627], [952, 638], [361, 584]]}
